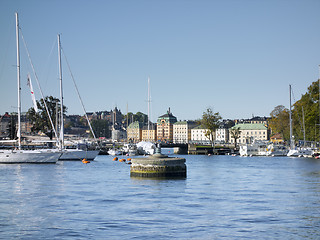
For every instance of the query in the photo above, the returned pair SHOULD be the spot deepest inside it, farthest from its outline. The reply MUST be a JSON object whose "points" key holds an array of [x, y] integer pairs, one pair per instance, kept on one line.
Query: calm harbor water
{"points": [[223, 197]]}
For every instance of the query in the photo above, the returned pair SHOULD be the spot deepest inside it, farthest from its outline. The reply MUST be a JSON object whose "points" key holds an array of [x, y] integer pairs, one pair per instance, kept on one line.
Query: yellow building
{"points": [[165, 127], [151, 134], [134, 132]]}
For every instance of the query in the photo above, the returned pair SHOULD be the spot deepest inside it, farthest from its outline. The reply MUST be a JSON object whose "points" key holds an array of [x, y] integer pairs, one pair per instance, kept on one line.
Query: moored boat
{"points": [[19, 155]]}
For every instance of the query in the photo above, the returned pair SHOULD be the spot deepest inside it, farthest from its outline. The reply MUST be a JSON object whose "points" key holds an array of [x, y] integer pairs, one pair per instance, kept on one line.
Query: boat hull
{"points": [[78, 155], [28, 156]]}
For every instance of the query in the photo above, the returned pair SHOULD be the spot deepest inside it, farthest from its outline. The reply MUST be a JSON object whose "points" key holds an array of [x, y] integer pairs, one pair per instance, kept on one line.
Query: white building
{"points": [[182, 131], [250, 132], [222, 135], [198, 135]]}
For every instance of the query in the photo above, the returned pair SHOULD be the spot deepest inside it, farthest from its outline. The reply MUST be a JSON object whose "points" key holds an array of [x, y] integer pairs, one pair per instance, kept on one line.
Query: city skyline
{"points": [[237, 57]]}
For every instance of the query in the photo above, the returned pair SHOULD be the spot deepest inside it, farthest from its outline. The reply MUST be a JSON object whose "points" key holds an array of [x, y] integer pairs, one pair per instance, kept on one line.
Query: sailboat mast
{"points": [[61, 96], [304, 129], [290, 117], [148, 108], [19, 84]]}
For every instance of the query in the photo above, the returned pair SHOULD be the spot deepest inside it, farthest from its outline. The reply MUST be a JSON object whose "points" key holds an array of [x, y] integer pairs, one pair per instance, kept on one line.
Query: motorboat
{"points": [[146, 148], [114, 152], [274, 150], [257, 148], [300, 152]]}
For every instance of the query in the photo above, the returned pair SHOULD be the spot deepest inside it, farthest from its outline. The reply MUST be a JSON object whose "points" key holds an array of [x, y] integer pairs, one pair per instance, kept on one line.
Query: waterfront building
{"points": [[182, 131], [222, 135], [151, 134], [165, 127], [277, 138], [250, 132], [134, 132], [198, 135]]}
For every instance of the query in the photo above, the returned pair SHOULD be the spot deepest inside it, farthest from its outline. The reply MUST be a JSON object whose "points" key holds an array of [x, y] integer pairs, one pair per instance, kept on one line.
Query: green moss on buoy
{"points": [[158, 166]]}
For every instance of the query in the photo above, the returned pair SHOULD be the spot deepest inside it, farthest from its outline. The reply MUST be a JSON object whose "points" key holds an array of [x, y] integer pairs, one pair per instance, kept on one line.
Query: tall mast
{"points": [[319, 105], [61, 96], [290, 117], [304, 129], [19, 84], [148, 109], [127, 116]]}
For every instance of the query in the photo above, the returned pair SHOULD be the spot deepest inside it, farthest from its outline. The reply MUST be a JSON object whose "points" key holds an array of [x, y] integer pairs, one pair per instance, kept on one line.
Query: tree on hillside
{"points": [[308, 108], [100, 128], [211, 121], [279, 122], [139, 117], [40, 120]]}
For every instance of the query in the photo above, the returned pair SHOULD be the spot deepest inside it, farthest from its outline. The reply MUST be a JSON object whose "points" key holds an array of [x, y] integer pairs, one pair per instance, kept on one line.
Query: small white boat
{"points": [[257, 148], [275, 150], [300, 152], [130, 149], [114, 152]]}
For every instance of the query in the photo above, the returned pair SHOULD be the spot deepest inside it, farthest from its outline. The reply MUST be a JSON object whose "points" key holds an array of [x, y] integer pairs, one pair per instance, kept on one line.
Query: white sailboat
{"points": [[19, 155], [295, 151], [147, 147], [70, 154]]}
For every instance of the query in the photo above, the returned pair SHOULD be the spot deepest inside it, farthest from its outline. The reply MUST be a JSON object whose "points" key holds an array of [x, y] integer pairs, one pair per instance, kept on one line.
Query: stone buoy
{"points": [[158, 166]]}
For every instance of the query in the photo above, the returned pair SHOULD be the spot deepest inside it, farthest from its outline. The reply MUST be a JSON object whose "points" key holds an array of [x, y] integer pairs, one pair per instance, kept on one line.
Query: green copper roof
{"points": [[250, 126], [135, 125]]}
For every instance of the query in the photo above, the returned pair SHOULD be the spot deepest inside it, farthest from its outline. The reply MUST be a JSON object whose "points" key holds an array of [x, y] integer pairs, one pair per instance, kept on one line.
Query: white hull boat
{"points": [[29, 156], [257, 148], [114, 152], [303, 152], [25, 156], [78, 154], [277, 150]]}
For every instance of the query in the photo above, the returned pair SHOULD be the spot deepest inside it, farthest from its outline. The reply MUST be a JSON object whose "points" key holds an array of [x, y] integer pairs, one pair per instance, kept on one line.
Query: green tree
{"points": [[40, 120], [308, 108], [235, 133], [100, 128], [139, 117], [279, 122], [211, 121]]}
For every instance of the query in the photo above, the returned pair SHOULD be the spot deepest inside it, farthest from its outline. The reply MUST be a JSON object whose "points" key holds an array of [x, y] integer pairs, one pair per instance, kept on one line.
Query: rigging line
{"points": [[36, 77], [75, 85], [48, 60]]}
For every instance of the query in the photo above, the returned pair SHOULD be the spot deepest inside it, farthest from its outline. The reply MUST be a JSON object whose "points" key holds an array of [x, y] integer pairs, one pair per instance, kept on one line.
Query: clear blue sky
{"points": [[237, 56]]}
